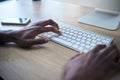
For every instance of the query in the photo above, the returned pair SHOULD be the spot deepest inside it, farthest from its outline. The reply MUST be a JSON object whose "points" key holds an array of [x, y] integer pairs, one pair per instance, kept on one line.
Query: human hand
{"points": [[101, 63], [26, 36]]}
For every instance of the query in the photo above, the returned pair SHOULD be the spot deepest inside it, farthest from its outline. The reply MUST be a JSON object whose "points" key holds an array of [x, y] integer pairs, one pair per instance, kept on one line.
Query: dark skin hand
{"points": [[101, 63], [26, 37]]}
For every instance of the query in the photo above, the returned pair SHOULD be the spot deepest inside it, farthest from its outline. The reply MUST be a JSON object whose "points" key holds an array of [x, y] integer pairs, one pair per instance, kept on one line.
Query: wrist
{"points": [[6, 36]]}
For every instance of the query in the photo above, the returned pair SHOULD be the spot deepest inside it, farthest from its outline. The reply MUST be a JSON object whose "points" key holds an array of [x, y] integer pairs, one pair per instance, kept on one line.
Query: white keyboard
{"points": [[78, 39]]}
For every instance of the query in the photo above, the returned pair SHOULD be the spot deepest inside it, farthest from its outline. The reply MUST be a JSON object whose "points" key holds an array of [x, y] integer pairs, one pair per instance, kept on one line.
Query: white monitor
{"points": [[105, 15]]}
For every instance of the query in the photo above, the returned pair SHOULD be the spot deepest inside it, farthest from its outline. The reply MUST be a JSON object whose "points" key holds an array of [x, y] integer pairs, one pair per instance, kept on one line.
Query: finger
{"points": [[53, 23], [48, 29], [98, 48], [113, 56], [40, 23], [47, 22], [37, 41], [81, 53], [75, 56], [109, 49], [94, 52]]}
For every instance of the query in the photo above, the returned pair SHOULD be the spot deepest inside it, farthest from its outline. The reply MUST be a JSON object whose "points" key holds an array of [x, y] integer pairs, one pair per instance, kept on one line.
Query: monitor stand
{"points": [[102, 19]]}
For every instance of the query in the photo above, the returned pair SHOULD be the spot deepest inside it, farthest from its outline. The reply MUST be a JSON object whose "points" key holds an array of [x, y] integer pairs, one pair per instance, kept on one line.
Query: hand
{"points": [[101, 63], [26, 36]]}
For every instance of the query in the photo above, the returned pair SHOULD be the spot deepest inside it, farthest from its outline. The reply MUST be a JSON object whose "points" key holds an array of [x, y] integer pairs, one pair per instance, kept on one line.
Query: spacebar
{"points": [[61, 41]]}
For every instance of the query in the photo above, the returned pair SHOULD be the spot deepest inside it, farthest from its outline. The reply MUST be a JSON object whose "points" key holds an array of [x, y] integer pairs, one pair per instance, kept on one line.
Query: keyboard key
{"points": [[61, 41]]}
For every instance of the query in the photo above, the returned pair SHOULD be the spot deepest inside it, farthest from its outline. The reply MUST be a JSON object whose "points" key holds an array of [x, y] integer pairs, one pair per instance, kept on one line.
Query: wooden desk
{"points": [[44, 62]]}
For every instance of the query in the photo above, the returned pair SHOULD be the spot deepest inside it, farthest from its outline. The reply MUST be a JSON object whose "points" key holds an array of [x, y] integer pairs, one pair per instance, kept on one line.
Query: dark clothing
{"points": [[1, 78]]}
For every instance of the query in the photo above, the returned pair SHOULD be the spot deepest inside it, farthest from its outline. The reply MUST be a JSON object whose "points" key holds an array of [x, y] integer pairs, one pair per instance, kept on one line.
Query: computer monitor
{"points": [[105, 15]]}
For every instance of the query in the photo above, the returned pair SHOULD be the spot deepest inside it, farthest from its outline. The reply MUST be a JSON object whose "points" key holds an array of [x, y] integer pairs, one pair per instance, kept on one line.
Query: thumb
{"points": [[30, 42]]}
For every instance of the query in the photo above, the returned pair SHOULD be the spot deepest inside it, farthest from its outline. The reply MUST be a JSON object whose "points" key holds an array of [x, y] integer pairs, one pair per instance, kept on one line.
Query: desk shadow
{"points": [[11, 44]]}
